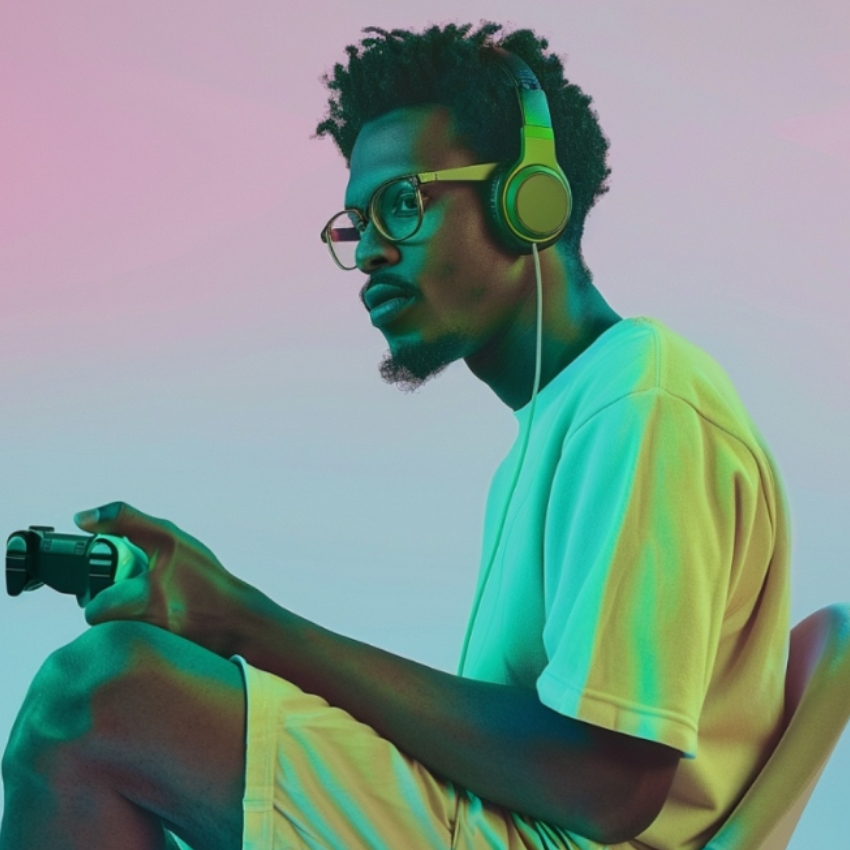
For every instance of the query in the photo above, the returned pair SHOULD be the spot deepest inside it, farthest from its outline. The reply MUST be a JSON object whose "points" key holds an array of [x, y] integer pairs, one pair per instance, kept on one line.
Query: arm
{"points": [[498, 741]]}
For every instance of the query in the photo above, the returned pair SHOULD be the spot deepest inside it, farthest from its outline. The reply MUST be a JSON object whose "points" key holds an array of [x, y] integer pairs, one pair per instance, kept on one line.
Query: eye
{"points": [[406, 203]]}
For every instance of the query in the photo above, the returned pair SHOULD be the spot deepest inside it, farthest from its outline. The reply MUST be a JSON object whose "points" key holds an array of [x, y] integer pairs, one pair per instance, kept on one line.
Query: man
{"points": [[622, 676]]}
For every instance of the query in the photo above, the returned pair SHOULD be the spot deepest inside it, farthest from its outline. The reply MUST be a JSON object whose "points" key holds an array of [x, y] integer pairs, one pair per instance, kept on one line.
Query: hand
{"points": [[185, 591]]}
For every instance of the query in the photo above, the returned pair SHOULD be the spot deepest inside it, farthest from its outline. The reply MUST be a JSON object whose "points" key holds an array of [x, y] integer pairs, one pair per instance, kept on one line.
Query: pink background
{"points": [[172, 332]]}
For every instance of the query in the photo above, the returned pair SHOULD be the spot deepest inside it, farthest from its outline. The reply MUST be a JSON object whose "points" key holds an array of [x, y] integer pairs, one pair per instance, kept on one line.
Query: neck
{"points": [[573, 319]]}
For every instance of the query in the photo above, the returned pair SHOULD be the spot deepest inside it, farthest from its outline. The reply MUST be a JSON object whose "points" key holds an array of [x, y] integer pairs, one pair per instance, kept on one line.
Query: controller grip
{"points": [[132, 560], [107, 550]]}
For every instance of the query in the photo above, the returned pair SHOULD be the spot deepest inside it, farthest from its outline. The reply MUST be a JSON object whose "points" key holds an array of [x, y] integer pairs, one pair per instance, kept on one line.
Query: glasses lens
{"points": [[398, 208], [343, 236]]}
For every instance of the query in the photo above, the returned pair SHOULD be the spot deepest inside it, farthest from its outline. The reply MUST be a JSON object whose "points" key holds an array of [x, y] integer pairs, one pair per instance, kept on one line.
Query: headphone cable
{"points": [[538, 351]]}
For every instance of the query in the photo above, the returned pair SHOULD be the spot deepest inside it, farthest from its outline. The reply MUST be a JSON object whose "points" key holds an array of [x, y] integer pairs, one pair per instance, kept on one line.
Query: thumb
{"points": [[124, 600]]}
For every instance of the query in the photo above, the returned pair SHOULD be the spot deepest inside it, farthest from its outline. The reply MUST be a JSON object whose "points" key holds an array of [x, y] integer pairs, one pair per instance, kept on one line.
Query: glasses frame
{"points": [[466, 173]]}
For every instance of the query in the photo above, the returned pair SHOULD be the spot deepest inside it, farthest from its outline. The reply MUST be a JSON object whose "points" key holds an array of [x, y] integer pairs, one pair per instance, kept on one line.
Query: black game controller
{"points": [[70, 563]]}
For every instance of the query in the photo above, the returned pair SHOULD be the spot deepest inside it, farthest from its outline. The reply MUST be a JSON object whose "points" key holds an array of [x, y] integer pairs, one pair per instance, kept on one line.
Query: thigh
{"points": [[318, 779], [164, 719]]}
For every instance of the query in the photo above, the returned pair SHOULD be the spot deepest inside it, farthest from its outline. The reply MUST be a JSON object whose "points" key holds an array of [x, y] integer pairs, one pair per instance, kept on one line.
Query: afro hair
{"points": [[446, 65]]}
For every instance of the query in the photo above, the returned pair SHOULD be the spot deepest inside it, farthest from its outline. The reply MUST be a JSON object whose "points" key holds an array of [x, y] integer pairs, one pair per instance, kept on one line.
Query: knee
{"points": [[58, 709]]}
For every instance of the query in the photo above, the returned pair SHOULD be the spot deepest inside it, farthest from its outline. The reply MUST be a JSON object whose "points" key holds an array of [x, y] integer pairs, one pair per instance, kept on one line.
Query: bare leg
{"points": [[127, 729], [56, 805]]}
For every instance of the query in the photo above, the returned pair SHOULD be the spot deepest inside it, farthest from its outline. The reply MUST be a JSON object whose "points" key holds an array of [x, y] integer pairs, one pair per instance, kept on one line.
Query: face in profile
{"points": [[461, 287]]}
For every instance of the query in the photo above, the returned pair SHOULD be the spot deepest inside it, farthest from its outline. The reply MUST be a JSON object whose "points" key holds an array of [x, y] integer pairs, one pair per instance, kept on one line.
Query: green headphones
{"points": [[530, 199]]}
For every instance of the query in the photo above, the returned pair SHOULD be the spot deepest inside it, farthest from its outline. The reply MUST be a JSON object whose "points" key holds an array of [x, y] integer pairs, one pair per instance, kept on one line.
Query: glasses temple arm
{"points": [[466, 172]]}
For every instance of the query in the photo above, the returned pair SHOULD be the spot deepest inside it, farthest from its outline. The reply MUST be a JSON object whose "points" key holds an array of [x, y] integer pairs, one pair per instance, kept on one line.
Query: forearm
{"points": [[499, 742]]}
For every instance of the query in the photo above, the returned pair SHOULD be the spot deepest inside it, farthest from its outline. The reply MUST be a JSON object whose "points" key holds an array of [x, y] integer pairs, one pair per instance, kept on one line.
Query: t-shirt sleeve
{"points": [[639, 534]]}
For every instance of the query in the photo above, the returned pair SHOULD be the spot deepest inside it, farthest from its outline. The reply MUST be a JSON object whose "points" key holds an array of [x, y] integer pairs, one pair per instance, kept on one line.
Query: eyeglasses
{"points": [[396, 208]]}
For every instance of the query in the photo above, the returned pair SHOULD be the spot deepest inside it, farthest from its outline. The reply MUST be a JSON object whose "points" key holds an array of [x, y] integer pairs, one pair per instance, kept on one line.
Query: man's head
{"points": [[410, 102]]}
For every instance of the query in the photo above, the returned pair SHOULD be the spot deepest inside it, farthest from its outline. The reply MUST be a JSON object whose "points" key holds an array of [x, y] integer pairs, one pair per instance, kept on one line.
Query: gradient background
{"points": [[174, 334]]}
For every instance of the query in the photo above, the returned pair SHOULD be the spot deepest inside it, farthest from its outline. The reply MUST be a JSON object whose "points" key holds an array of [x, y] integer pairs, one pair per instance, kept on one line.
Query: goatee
{"points": [[411, 366]]}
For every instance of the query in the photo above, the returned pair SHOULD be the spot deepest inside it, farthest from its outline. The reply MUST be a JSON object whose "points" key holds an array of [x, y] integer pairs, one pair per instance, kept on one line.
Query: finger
{"points": [[123, 520], [125, 600]]}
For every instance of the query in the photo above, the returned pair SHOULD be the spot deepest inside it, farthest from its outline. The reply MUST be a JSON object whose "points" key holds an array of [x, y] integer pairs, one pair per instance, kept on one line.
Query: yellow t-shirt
{"points": [[641, 580]]}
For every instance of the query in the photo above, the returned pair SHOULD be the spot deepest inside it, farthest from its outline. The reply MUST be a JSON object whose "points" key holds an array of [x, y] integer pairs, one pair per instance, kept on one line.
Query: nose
{"points": [[373, 251]]}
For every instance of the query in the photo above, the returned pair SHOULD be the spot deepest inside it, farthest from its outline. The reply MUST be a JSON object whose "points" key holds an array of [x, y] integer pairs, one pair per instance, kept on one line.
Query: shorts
{"points": [[317, 779]]}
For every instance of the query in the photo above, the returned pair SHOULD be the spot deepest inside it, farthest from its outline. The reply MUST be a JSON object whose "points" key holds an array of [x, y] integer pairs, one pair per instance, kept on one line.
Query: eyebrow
{"points": [[350, 206], [387, 178]]}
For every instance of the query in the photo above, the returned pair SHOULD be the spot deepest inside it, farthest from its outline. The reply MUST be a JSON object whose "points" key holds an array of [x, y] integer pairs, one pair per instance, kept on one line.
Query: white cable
{"points": [[538, 350]]}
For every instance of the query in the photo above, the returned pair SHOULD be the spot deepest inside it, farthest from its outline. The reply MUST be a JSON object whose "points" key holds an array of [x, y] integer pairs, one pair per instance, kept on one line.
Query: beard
{"points": [[411, 366]]}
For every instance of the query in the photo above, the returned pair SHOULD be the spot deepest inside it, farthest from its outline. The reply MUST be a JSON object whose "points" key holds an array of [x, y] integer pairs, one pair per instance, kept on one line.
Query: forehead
{"points": [[405, 141]]}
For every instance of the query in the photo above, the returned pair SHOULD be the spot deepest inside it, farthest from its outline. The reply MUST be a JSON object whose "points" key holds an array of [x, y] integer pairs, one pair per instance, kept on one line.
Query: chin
{"points": [[409, 365]]}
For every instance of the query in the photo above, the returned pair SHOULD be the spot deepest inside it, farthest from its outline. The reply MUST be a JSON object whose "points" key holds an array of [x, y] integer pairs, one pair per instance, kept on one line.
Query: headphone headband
{"points": [[531, 200], [532, 100]]}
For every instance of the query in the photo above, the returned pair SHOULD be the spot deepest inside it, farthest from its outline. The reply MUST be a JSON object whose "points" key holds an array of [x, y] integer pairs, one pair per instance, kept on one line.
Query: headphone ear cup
{"points": [[496, 212], [533, 199]]}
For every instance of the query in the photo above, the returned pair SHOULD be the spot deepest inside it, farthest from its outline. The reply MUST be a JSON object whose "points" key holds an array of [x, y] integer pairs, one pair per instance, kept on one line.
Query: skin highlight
{"points": [[475, 300]]}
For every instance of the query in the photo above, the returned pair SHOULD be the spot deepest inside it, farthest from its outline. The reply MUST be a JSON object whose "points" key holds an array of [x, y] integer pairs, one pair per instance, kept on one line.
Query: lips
{"points": [[379, 293]]}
